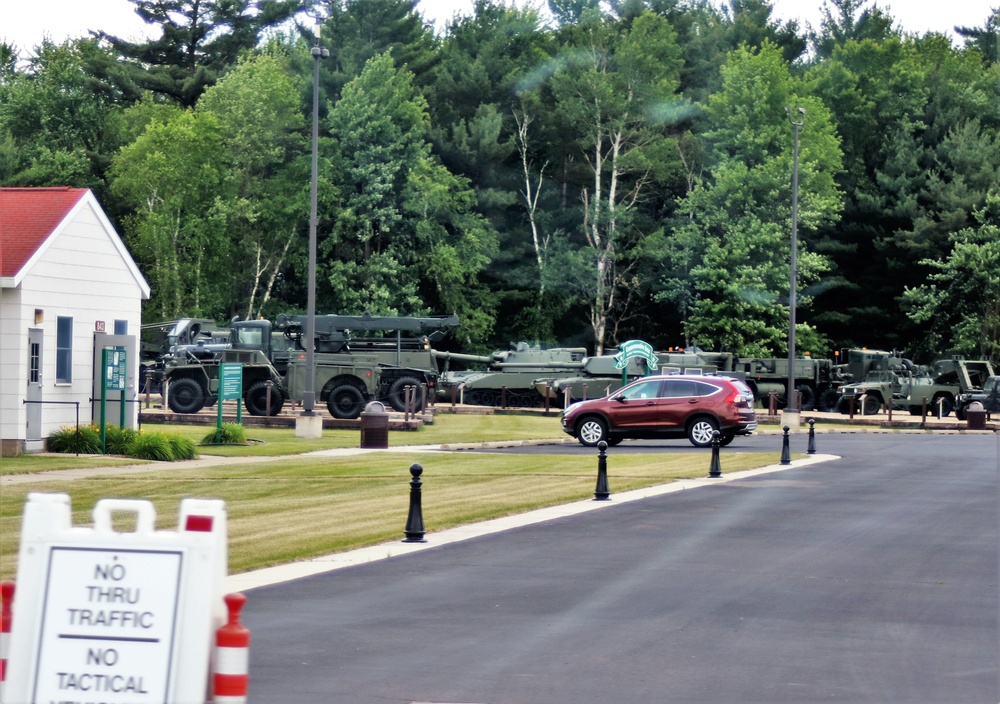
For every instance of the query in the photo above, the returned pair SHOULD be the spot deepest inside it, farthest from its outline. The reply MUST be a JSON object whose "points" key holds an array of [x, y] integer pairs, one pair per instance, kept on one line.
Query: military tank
{"points": [[599, 375], [509, 375]]}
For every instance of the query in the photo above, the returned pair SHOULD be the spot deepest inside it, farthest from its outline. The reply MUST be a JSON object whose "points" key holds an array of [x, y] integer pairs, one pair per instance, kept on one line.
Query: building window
{"points": [[121, 327], [64, 350], [34, 363]]}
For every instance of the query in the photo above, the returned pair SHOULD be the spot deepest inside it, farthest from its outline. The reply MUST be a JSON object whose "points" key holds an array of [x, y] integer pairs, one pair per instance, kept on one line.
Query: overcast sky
{"points": [[25, 22]]}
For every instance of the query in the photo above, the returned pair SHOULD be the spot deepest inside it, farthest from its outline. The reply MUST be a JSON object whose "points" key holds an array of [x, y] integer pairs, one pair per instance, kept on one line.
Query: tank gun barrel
{"points": [[540, 365], [460, 357]]}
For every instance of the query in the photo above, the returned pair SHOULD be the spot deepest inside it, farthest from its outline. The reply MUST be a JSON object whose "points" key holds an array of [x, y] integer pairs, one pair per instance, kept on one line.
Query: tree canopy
{"points": [[595, 173]]}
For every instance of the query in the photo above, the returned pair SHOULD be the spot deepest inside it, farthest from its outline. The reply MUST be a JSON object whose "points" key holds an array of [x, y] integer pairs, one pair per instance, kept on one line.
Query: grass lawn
{"points": [[273, 442], [295, 508], [292, 509]]}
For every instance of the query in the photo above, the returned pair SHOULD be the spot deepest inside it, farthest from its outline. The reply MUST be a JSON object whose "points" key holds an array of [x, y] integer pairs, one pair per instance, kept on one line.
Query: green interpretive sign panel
{"points": [[231, 387]]}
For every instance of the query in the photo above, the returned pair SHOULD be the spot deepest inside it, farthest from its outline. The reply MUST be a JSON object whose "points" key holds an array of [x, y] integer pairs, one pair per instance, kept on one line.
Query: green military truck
{"points": [[348, 371], [344, 382], [904, 386]]}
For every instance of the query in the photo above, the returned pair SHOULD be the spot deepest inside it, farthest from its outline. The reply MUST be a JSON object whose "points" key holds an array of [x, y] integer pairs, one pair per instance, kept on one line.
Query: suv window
{"points": [[682, 388], [645, 389]]}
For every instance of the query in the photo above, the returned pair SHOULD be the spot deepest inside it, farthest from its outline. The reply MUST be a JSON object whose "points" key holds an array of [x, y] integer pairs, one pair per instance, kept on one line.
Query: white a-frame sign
{"points": [[116, 617]]}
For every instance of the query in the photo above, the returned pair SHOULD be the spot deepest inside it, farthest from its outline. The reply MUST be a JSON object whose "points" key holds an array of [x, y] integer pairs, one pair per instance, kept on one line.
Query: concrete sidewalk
{"points": [[201, 462]]}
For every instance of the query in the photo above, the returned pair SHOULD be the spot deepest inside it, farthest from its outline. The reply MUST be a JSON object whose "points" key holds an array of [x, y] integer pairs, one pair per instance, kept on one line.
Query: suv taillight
{"points": [[738, 398]]}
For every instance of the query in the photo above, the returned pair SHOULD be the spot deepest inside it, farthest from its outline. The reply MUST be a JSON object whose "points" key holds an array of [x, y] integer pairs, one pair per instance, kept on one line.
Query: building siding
{"points": [[83, 275]]}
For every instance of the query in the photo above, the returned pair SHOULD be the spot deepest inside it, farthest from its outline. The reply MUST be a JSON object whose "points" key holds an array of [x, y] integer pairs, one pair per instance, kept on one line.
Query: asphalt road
{"points": [[873, 578]]}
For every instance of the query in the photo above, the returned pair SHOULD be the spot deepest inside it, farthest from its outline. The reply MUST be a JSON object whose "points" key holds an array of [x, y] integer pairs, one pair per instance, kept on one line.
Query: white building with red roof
{"points": [[67, 283]]}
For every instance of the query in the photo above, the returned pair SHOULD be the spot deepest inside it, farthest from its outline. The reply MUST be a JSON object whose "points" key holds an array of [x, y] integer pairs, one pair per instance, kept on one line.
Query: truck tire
{"points": [[807, 397], [397, 394], [828, 400], [185, 396], [946, 406], [256, 400], [346, 402], [871, 406]]}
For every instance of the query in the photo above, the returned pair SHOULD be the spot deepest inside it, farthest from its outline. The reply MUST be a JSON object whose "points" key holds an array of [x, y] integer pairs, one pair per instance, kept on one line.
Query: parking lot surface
{"points": [[869, 578]]}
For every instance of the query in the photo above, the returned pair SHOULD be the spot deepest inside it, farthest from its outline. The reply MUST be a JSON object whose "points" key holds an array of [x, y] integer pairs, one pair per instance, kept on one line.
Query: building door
{"points": [[33, 395]]}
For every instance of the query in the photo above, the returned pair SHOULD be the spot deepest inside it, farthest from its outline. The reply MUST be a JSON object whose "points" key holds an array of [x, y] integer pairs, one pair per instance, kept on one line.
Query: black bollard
{"points": [[602, 493], [811, 448], [414, 530], [715, 468], [786, 457]]}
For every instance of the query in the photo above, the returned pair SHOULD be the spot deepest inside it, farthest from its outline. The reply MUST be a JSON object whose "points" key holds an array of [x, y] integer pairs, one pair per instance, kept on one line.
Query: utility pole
{"points": [[309, 426], [790, 403]]}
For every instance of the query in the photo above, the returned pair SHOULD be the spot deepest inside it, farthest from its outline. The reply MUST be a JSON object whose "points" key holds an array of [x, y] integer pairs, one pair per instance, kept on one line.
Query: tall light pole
{"points": [[309, 397], [793, 275]]}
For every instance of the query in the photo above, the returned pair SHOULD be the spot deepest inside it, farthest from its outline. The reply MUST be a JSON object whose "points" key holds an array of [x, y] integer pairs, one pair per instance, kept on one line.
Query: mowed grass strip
{"points": [[276, 442], [299, 508]]}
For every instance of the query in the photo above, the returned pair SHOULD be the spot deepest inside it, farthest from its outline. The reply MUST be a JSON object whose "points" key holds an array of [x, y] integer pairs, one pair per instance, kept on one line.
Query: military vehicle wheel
{"points": [[700, 431], [397, 394], [947, 404], [473, 398], [186, 396], [828, 400], [591, 431], [807, 397], [871, 406], [256, 400], [345, 402]]}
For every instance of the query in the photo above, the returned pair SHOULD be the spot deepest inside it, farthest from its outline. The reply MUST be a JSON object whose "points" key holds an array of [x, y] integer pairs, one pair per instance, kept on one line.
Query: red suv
{"points": [[672, 406]]}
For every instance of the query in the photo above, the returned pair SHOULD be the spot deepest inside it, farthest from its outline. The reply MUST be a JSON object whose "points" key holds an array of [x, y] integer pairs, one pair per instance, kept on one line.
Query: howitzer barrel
{"points": [[338, 323]]}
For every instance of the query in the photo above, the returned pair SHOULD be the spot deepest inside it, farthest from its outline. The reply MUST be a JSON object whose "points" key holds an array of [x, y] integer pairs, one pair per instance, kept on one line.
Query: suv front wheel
{"points": [[700, 431], [591, 431]]}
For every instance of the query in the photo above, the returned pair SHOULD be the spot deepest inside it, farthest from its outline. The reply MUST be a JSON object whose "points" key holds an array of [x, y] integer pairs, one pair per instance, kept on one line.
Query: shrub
{"points": [[182, 447], [229, 434], [152, 446], [67, 439], [118, 441]]}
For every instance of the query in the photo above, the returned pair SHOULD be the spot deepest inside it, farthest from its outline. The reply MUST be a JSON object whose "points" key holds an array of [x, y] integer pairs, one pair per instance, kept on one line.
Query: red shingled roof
{"points": [[27, 217]]}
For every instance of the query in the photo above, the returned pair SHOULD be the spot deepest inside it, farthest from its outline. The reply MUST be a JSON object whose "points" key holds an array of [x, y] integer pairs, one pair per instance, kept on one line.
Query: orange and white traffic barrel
{"points": [[232, 656], [6, 611]]}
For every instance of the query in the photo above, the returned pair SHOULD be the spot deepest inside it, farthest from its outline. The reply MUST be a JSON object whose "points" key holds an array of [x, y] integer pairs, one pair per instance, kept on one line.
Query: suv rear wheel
{"points": [[700, 431], [591, 431]]}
